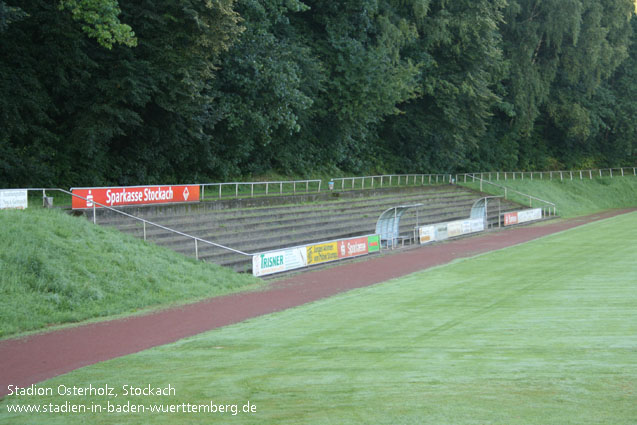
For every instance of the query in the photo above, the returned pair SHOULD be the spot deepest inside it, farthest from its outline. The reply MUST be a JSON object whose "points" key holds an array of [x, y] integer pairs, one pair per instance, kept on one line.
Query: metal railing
{"points": [[262, 188], [389, 180], [144, 222], [550, 175], [547, 204]]}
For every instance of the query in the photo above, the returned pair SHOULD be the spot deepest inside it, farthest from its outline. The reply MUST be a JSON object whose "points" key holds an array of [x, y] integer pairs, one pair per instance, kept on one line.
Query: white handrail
{"points": [[391, 180], [195, 238], [507, 190], [267, 184], [568, 174]]}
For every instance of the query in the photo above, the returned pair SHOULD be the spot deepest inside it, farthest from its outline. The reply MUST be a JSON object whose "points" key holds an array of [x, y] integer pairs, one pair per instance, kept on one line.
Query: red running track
{"points": [[34, 358]]}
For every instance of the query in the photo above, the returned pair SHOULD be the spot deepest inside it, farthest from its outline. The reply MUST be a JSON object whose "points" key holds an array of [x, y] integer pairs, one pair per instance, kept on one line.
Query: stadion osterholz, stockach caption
{"points": [[105, 390]]}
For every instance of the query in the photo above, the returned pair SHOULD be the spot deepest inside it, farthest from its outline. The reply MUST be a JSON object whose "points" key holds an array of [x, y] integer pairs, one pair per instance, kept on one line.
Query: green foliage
{"points": [[263, 91], [459, 49], [226, 89], [71, 113], [9, 14], [561, 55], [100, 21], [360, 44]]}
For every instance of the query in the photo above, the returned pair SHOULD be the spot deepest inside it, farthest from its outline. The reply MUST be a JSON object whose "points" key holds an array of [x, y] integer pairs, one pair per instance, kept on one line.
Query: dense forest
{"points": [[97, 92]]}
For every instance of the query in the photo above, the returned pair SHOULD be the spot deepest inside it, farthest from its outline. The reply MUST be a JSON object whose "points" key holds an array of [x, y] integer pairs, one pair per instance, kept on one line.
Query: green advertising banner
{"points": [[373, 243]]}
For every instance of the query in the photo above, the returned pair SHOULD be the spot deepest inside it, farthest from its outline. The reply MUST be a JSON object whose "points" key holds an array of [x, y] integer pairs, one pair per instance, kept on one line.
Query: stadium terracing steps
{"points": [[261, 224]]}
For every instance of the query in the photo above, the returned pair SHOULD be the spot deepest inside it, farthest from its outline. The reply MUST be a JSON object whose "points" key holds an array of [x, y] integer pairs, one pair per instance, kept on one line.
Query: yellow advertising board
{"points": [[322, 253]]}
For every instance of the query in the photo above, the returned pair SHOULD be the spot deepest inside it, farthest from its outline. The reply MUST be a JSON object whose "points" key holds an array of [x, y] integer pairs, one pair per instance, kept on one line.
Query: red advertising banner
{"points": [[511, 218], [133, 195], [352, 247]]}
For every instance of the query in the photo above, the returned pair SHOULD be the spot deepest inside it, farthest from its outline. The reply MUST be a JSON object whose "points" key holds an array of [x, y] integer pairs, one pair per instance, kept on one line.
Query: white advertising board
{"points": [[427, 234], [278, 261], [442, 231], [477, 225], [454, 228], [13, 199], [529, 215]]}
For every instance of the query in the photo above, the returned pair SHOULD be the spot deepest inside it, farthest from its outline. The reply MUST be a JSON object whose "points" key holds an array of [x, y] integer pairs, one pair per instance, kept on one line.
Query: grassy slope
{"points": [[59, 269], [576, 197], [541, 333]]}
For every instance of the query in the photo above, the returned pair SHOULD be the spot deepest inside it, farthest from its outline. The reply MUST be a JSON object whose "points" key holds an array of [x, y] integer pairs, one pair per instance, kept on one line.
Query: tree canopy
{"points": [[107, 92]]}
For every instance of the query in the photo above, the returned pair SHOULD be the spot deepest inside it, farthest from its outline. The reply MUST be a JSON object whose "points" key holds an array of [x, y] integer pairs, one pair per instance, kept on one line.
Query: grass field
{"points": [[541, 333], [59, 269]]}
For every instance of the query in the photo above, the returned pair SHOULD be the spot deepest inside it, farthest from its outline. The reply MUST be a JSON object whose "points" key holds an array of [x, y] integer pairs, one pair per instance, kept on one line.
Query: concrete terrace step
{"points": [[258, 225], [257, 213], [285, 238], [210, 224], [290, 226], [220, 231]]}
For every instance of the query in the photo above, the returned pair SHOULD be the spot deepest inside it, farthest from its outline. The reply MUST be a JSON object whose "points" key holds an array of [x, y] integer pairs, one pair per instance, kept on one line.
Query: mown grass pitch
{"points": [[542, 333]]}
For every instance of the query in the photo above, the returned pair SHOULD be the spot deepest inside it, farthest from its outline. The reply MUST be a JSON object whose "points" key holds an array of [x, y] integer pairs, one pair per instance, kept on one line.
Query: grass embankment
{"points": [[540, 333], [58, 269], [573, 197]]}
